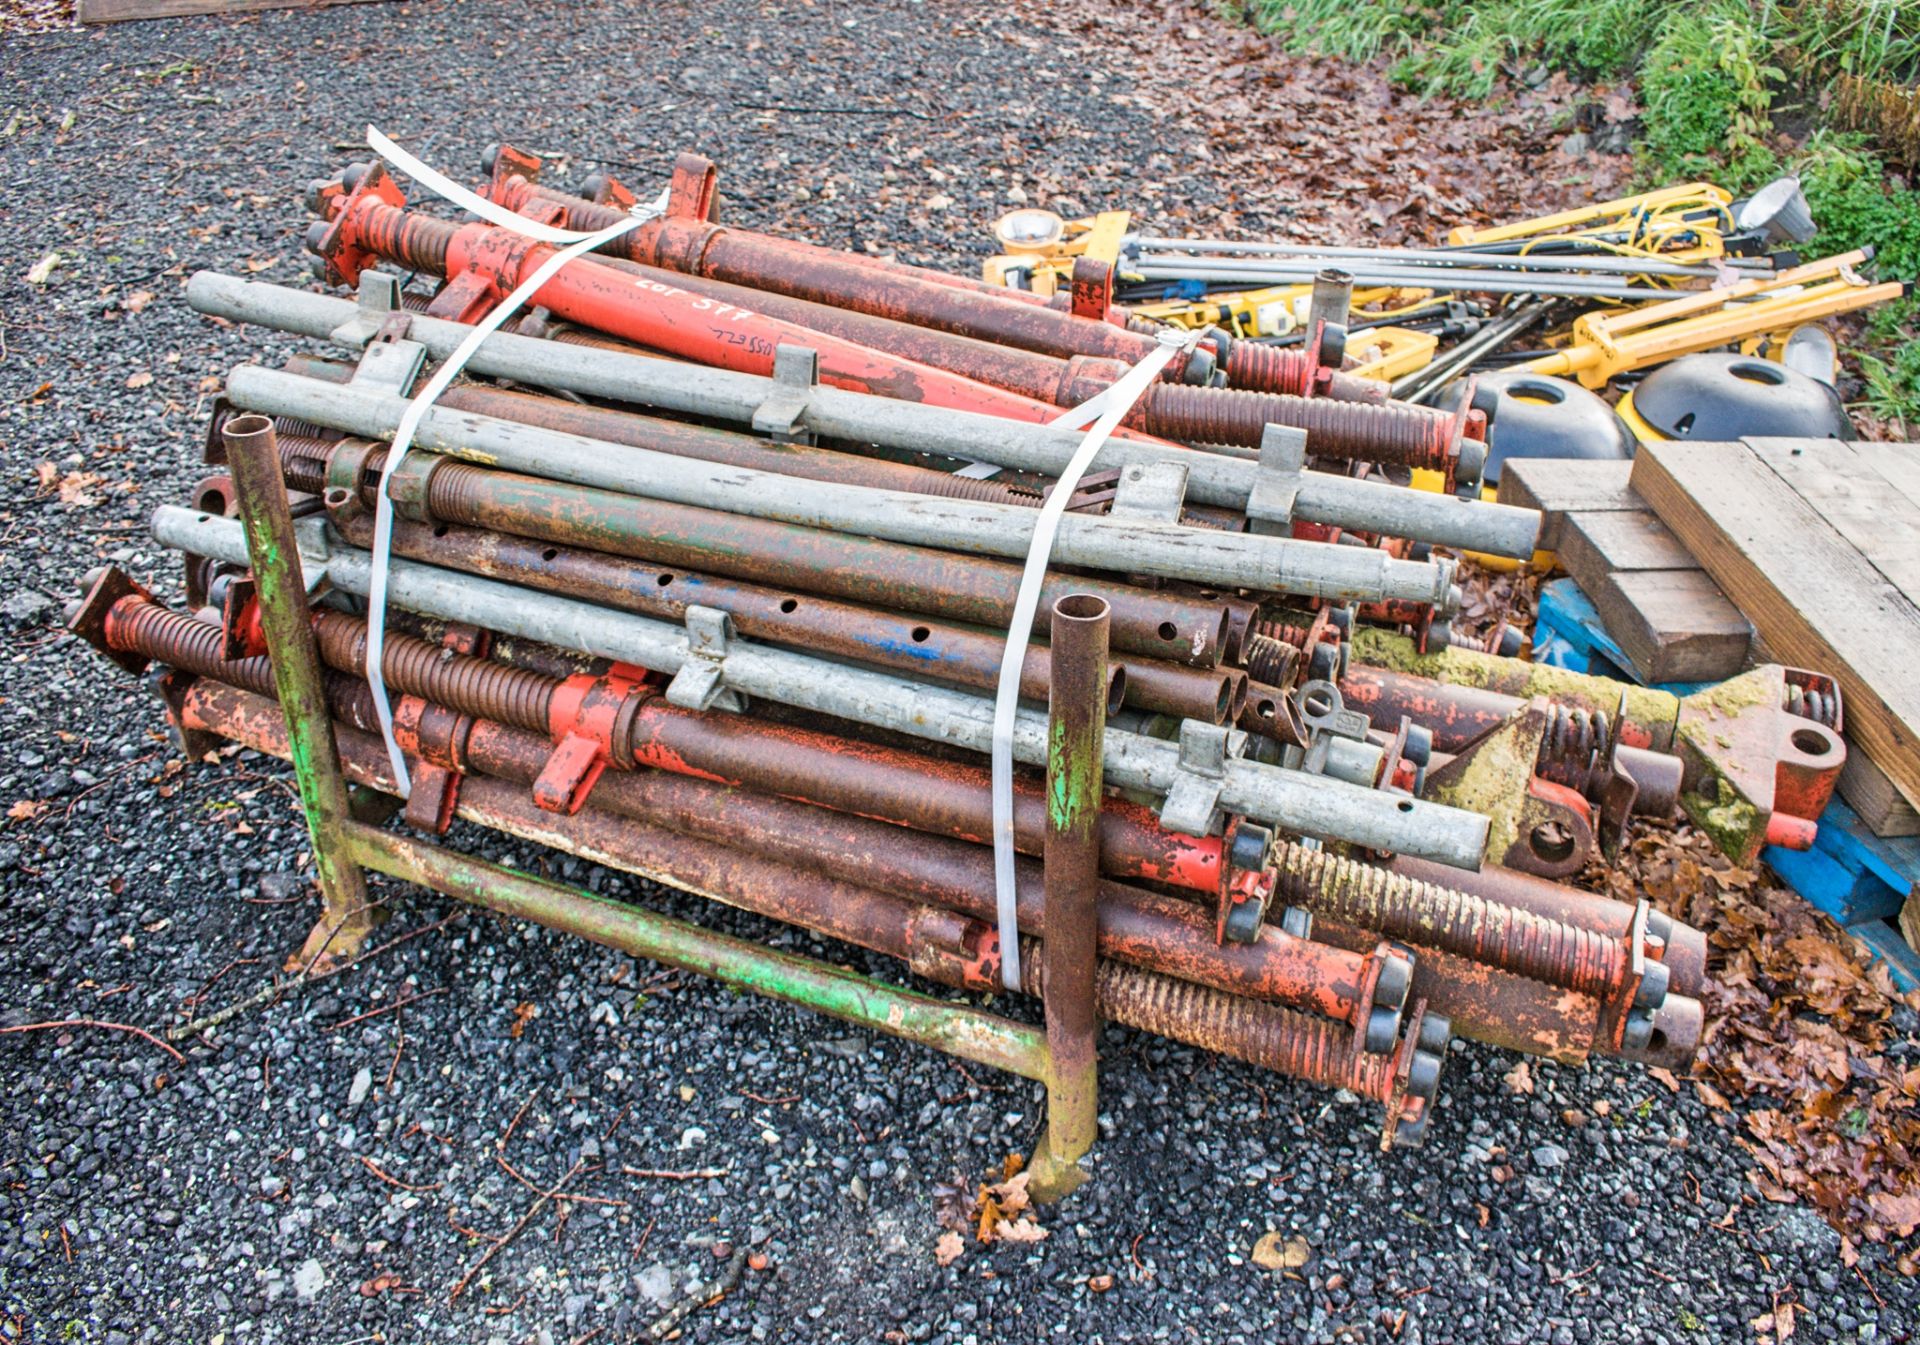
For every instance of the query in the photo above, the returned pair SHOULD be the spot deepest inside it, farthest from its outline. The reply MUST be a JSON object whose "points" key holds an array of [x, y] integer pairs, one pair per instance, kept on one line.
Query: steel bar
{"points": [[1128, 546], [1267, 1035], [1528, 935], [267, 519], [1313, 806], [1142, 246], [724, 446], [903, 642], [819, 275], [1477, 280], [1212, 478], [536, 556], [1076, 724]]}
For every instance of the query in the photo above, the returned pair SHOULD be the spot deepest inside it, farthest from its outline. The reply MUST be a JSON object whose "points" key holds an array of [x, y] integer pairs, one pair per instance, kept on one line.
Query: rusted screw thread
{"points": [[418, 242], [1300, 1045], [1257, 368], [1406, 435], [1286, 632], [1818, 706], [1270, 661], [303, 461], [470, 685], [1574, 741], [185, 642], [414, 667], [1512, 940]]}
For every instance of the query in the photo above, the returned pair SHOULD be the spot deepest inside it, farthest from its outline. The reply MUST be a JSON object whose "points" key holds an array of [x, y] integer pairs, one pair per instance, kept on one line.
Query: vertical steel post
{"points": [[1076, 724], [254, 459]]}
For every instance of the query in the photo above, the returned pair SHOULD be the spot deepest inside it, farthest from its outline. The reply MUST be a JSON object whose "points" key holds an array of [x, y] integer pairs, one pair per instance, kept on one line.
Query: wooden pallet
{"points": [[120, 11], [1820, 542]]}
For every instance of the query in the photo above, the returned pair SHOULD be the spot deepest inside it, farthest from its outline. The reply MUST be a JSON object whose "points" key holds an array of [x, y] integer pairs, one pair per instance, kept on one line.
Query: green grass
{"points": [[1719, 84]]}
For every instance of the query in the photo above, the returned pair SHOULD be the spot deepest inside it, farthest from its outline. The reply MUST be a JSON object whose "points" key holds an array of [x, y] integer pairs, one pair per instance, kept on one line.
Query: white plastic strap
{"points": [[577, 243], [1105, 409]]}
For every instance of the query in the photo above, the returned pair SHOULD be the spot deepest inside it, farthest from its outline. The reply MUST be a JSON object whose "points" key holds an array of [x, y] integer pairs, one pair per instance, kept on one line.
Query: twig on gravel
{"points": [[392, 1180], [97, 1022], [710, 1292], [305, 976], [514, 1124], [533, 1186], [399, 1043], [400, 1003], [661, 1174], [544, 1199]]}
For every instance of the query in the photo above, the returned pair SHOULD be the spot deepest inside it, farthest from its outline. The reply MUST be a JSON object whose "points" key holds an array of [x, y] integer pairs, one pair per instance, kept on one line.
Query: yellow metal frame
{"points": [[1606, 344], [1051, 265]]}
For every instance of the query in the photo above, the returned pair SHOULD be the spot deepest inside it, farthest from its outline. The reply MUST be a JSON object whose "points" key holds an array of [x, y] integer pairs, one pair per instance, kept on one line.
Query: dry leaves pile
{"points": [[1326, 150], [997, 1212], [1796, 1018]]}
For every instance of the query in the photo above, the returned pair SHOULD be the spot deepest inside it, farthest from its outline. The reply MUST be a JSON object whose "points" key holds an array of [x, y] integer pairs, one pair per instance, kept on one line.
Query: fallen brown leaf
{"points": [[948, 1249], [1272, 1252]]}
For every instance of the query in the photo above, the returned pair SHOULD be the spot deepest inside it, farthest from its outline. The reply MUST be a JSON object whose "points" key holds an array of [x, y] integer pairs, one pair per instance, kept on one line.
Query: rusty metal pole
{"points": [[346, 918], [1076, 727]]}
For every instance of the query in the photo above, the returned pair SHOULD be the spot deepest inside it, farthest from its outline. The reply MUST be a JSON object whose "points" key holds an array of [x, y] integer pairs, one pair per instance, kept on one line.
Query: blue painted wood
{"points": [[1887, 946], [1567, 633], [1850, 873]]}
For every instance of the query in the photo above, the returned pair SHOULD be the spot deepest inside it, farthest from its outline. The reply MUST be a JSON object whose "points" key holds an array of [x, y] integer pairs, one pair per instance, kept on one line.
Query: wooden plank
{"points": [[1870, 794], [1673, 625], [1897, 464], [120, 11], [1855, 499], [1559, 486], [1593, 546], [1671, 620], [1816, 600]]}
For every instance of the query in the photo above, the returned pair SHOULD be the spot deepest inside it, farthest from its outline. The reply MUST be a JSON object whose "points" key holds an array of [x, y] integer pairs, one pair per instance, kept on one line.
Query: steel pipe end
{"points": [[489, 157], [1471, 462]]}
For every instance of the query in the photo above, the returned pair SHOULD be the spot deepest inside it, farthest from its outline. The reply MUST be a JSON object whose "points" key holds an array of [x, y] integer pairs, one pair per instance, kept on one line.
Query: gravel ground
{"points": [[302, 1176]]}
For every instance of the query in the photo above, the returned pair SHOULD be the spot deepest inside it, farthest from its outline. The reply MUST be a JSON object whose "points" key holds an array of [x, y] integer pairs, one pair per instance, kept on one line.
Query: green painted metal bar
{"points": [[956, 1029], [254, 459]]}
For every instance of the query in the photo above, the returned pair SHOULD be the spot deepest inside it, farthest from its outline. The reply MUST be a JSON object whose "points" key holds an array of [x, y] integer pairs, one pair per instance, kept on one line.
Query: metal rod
{"points": [[1212, 478], [272, 552], [1519, 261], [1311, 805], [956, 1029], [1128, 546], [1267, 1035], [1480, 281], [1076, 725]]}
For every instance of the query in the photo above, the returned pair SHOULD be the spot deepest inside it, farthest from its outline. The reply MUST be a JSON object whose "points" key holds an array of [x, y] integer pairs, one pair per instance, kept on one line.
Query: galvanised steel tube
{"points": [[1170, 551], [906, 643], [1269, 1035], [1212, 478], [1315, 806], [972, 589]]}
